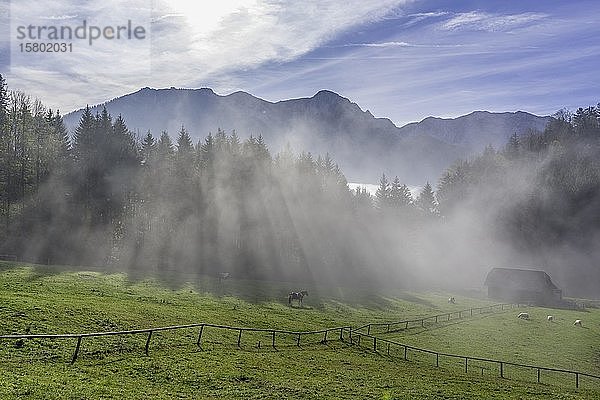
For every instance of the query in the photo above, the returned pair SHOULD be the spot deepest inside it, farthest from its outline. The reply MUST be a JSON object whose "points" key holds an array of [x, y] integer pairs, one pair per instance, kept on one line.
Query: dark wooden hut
{"points": [[522, 286]]}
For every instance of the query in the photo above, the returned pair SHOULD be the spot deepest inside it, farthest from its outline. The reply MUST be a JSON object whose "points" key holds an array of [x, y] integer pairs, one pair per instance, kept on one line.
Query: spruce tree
{"points": [[426, 201], [513, 147], [235, 145], [207, 152], [382, 196], [83, 137], [185, 146], [149, 148], [165, 147], [399, 195], [62, 135]]}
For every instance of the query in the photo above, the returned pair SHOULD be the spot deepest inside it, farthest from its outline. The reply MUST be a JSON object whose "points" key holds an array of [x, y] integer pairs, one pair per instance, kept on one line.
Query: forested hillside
{"points": [[151, 204]]}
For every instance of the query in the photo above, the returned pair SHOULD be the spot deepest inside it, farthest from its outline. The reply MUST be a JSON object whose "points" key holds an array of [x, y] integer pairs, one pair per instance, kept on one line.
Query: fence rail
{"points": [[501, 364], [202, 329], [353, 334], [391, 326]]}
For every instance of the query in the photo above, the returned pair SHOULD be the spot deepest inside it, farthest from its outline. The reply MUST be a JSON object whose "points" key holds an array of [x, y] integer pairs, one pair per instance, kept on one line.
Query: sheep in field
{"points": [[550, 318], [577, 322], [523, 315]]}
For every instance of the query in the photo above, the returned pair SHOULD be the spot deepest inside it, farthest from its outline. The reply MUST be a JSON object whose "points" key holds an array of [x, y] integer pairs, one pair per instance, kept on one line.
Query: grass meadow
{"points": [[40, 300]]}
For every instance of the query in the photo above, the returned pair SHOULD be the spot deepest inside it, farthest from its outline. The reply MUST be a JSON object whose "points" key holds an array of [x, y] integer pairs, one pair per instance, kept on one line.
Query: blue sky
{"points": [[404, 60]]}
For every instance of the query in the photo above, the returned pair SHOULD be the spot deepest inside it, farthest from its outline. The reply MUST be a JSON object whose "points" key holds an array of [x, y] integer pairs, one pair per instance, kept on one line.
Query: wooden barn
{"points": [[522, 286]]}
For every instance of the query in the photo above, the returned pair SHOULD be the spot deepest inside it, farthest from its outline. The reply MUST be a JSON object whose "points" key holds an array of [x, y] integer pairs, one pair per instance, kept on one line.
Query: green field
{"points": [[38, 300]]}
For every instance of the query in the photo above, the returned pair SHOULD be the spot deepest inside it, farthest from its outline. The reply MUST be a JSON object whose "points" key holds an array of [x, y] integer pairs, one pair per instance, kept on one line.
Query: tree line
{"points": [[106, 196]]}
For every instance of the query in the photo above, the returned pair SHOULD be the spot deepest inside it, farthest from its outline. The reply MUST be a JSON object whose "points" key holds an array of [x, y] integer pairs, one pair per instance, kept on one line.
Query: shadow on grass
{"points": [[250, 290]]}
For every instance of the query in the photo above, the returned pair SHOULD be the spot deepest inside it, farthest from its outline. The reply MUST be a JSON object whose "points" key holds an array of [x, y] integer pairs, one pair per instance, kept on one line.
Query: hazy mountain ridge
{"points": [[363, 145], [477, 129]]}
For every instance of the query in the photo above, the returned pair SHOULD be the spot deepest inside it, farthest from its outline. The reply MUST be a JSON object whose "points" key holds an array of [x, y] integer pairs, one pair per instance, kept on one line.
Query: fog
{"points": [[153, 206]]}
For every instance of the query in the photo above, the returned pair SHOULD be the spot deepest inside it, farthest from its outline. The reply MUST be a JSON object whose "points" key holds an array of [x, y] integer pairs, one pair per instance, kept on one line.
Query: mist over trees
{"points": [[149, 204], [541, 195]]}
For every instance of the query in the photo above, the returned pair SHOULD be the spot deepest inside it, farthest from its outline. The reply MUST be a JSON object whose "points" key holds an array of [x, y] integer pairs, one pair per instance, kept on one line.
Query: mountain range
{"points": [[364, 146]]}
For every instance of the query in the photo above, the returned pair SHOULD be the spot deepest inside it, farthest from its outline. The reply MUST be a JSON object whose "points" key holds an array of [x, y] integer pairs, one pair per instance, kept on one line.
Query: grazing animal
{"points": [[577, 322], [523, 315], [550, 318], [223, 276], [452, 300], [297, 296]]}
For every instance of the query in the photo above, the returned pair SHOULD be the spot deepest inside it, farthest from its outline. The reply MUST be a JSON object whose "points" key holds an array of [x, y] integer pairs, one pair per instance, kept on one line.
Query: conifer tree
{"points": [[125, 143], [382, 196], [83, 138], [207, 153], [235, 145], [149, 148], [184, 143], [62, 135], [400, 197], [426, 201], [514, 146], [166, 150]]}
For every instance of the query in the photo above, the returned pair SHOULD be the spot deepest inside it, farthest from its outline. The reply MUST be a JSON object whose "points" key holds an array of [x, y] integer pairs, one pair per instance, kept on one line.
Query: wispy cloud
{"points": [[381, 44], [189, 43], [58, 17], [397, 44], [482, 21], [418, 17]]}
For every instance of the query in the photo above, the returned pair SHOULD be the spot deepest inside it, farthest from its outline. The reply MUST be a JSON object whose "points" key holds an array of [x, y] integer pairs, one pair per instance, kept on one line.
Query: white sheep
{"points": [[523, 315], [550, 318], [577, 322]]}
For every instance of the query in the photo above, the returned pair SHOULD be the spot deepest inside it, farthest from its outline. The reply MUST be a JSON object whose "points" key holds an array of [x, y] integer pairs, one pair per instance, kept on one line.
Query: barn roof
{"points": [[519, 279]]}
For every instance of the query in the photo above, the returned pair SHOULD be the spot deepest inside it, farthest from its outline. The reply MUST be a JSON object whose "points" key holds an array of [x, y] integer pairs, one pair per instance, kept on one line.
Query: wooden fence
{"points": [[405, 324], [202, 327], [390, 345], [354, 336]]}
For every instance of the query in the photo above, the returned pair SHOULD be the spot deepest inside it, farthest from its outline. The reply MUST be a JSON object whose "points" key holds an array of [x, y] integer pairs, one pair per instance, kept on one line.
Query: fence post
{"points": [[273, 339], [374, 344], [341, 334], [436, 319], [199, 342], [577, 380], [502, 307], [298, 341], [239, 339], [350, 336], [369, 329], [501, 369], [388, 328], [148, 342], [325, 337], [538, 375], [471, 312], [422, 323], [437, 359], [76, 349], [466, 365], [388, 349], [405, 353], [406, 325]]}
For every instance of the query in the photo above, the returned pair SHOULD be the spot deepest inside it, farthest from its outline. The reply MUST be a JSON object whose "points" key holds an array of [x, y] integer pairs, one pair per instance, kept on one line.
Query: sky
{"points": [[403, 60]]}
